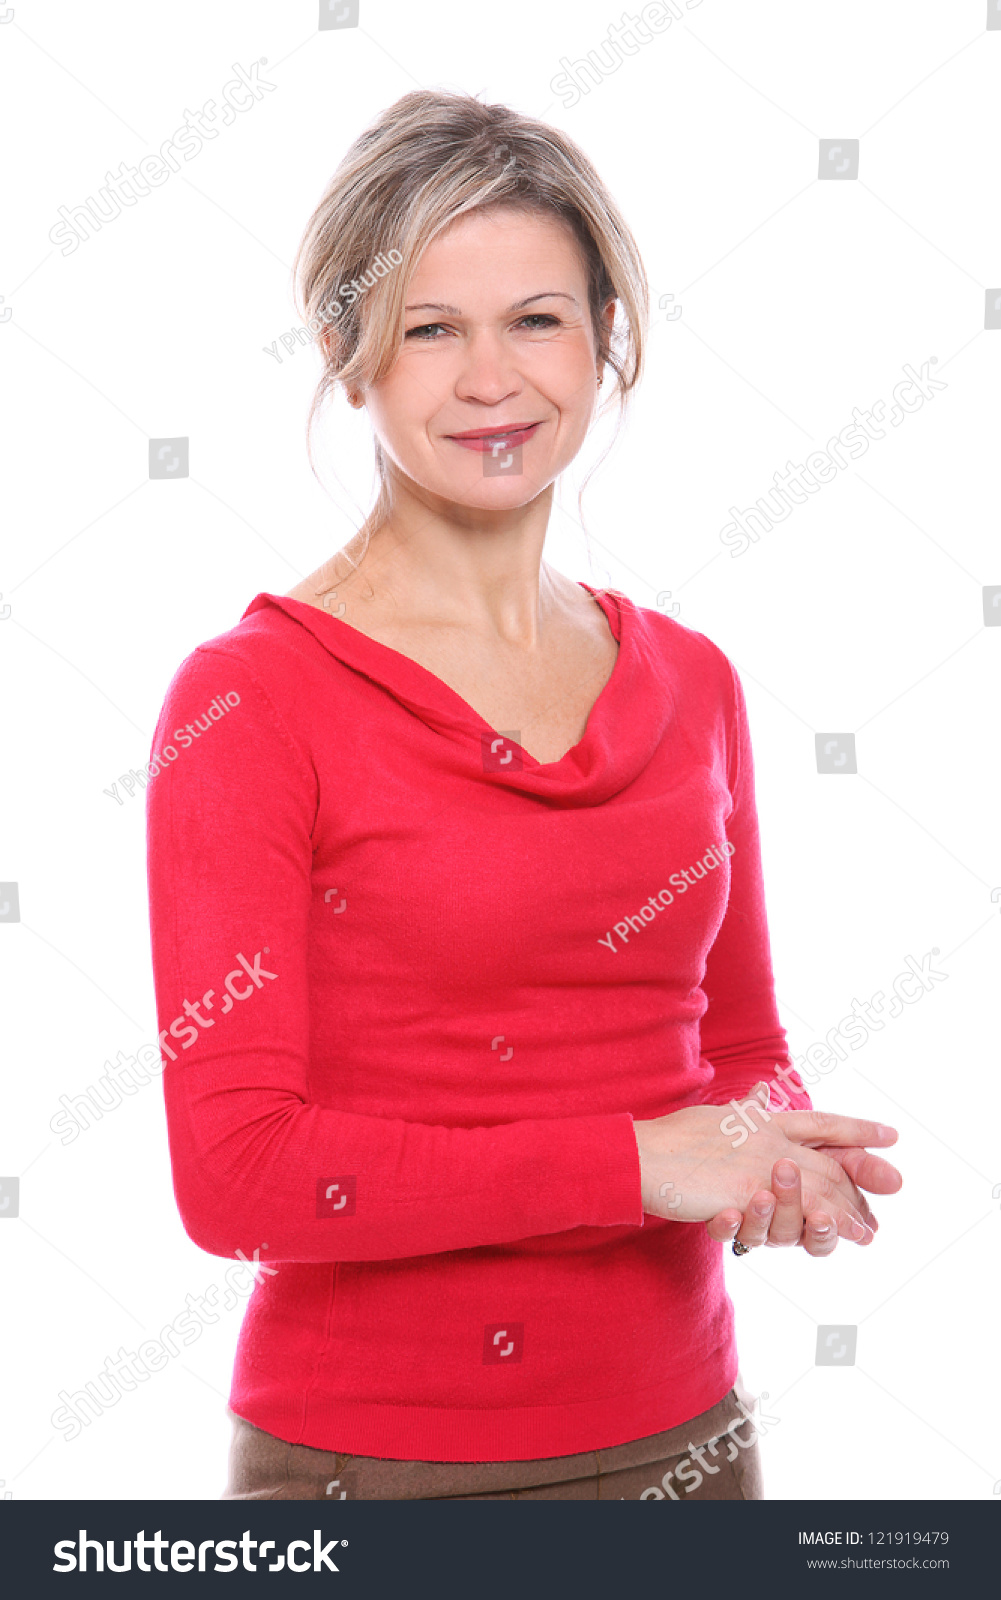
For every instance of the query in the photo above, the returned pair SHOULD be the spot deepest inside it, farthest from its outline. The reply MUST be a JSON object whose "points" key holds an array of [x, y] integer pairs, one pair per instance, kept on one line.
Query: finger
{"points": [[820, 1236], [755, 1223], [863, 1208], [866, 1171], [827, 1186], [850, 1167], [827, 1127], [724, 1225], [787, 1223], [851, 1221], [850, 1224]]}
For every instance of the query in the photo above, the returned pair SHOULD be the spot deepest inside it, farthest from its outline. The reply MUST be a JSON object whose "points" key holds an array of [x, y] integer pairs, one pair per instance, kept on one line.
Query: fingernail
{"points": [[785, 1174], [761, 1211], [856, 1229], [821, 1228], [883, 1132]]}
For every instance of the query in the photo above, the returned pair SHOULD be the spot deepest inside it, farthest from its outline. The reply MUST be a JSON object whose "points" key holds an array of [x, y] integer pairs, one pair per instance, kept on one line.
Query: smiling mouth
{"points": [[488, 439]]}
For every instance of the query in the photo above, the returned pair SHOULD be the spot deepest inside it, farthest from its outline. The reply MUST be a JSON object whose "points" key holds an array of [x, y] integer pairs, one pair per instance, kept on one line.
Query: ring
{"points": [[740, 1249]]}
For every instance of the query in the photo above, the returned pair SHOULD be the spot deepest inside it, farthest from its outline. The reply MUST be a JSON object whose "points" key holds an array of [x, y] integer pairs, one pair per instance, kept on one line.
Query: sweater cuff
{"points": [[783, 1094], [603, 1164]]}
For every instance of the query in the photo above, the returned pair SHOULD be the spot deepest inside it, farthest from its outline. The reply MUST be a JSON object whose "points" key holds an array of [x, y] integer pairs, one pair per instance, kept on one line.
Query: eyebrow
{"points": [[519, 305]]}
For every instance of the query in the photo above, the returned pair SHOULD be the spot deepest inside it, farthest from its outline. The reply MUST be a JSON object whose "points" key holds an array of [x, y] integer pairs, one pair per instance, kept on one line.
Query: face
{"points": [[496, 383]]}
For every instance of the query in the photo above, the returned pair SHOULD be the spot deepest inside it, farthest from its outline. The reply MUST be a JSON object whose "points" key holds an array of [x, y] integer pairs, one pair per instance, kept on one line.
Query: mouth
{"points": [[486, 440]]}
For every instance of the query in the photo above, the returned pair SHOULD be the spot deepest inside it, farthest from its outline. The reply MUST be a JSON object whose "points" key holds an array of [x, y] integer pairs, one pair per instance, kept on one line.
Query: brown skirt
{"points": [[662, 1466]]}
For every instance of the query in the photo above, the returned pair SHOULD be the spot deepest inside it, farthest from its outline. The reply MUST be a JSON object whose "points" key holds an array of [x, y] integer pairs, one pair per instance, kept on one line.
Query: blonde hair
{"points": [[427, 159]]}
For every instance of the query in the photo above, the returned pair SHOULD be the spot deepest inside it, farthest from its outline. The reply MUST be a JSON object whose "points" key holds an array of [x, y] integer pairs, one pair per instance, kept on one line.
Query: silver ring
{"points": [[739, 1248]]}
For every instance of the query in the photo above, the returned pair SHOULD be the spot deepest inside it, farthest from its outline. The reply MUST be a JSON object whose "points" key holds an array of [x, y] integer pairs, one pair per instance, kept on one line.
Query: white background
{"points": [[801, 300]]}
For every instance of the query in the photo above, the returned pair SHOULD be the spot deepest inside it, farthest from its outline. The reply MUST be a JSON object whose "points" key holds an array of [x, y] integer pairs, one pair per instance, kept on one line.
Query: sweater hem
{"points": [[519, 1433]]}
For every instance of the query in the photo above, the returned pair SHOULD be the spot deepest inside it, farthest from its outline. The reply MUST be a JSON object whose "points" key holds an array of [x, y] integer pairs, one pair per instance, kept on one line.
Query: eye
{"points": [[543, 319], [423, 330]]}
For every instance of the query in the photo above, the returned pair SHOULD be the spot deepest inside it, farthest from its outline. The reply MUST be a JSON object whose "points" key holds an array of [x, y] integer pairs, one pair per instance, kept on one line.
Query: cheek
{"points": [[400, 411], [566, 377]]}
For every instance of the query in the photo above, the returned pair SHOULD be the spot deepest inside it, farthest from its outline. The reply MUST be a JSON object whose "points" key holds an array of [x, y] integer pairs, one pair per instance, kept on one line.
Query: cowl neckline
{"points": [[624, 728]]}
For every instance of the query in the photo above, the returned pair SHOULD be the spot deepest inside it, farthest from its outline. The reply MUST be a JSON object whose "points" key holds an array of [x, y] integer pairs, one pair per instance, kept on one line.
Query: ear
{"points": [[608, 318]]}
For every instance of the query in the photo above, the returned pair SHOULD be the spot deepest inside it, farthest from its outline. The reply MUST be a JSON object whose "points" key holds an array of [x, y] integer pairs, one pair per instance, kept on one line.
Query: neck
{"points": [[442, 563]]}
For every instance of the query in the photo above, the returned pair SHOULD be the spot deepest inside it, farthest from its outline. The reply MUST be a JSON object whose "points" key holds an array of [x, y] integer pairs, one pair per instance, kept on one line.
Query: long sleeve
{"points": [[256, 1158], [742, 1038], [407, 1101]]}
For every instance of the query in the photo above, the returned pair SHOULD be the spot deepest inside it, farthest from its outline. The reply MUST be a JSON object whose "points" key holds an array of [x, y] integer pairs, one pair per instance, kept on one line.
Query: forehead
{"points": [[499, 250]]}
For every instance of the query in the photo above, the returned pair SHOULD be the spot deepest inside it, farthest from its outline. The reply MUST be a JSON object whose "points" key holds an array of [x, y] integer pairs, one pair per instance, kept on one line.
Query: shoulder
{"points": [[701, 679], [235, 719], [683, 649], [263, 663], [266, 644]]}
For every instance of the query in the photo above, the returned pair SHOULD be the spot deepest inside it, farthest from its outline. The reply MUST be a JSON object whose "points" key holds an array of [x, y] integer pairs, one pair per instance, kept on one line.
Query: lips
{"points": [[486, 440]]}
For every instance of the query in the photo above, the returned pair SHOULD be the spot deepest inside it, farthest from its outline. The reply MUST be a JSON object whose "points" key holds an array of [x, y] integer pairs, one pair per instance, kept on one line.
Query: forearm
{"points": [[323, 1185]]}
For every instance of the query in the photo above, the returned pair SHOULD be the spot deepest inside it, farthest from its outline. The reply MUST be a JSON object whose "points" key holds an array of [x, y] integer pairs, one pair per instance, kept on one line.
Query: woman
{"points": [[459, 939]]}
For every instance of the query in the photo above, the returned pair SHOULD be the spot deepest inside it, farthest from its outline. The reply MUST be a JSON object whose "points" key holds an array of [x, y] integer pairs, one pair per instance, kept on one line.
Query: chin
{"points": [[483, 493], [500, 496]]}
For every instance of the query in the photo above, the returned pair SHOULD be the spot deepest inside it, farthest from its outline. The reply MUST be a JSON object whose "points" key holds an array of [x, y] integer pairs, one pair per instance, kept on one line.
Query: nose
{"points": [[488, 373]]}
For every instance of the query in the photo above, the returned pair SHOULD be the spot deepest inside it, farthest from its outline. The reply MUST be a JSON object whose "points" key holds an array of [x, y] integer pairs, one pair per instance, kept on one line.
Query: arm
{"points": [[742, 1039], [229, 857]]}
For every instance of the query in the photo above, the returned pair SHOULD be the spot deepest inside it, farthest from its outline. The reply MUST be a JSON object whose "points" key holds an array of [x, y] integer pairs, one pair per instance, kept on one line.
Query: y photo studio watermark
{"points": [[684, 880], [332, 309], [185, 737]]}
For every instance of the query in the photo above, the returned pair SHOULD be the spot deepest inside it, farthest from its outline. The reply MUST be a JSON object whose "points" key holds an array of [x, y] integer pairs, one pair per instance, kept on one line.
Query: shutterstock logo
{"points": [[836, 1344], [502, 751], [124, 188], [185, 1030], [336, 1197], [72, 1554], [503, 1342]]}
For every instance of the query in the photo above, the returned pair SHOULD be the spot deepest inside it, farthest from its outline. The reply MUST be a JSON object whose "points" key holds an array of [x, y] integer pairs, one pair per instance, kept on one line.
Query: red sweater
{"points": [[412, 992]]}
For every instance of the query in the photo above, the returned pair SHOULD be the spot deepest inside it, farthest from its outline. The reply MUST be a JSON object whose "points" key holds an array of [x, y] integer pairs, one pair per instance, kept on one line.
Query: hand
{"points": [[775, 1216], [691, 1172]]}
